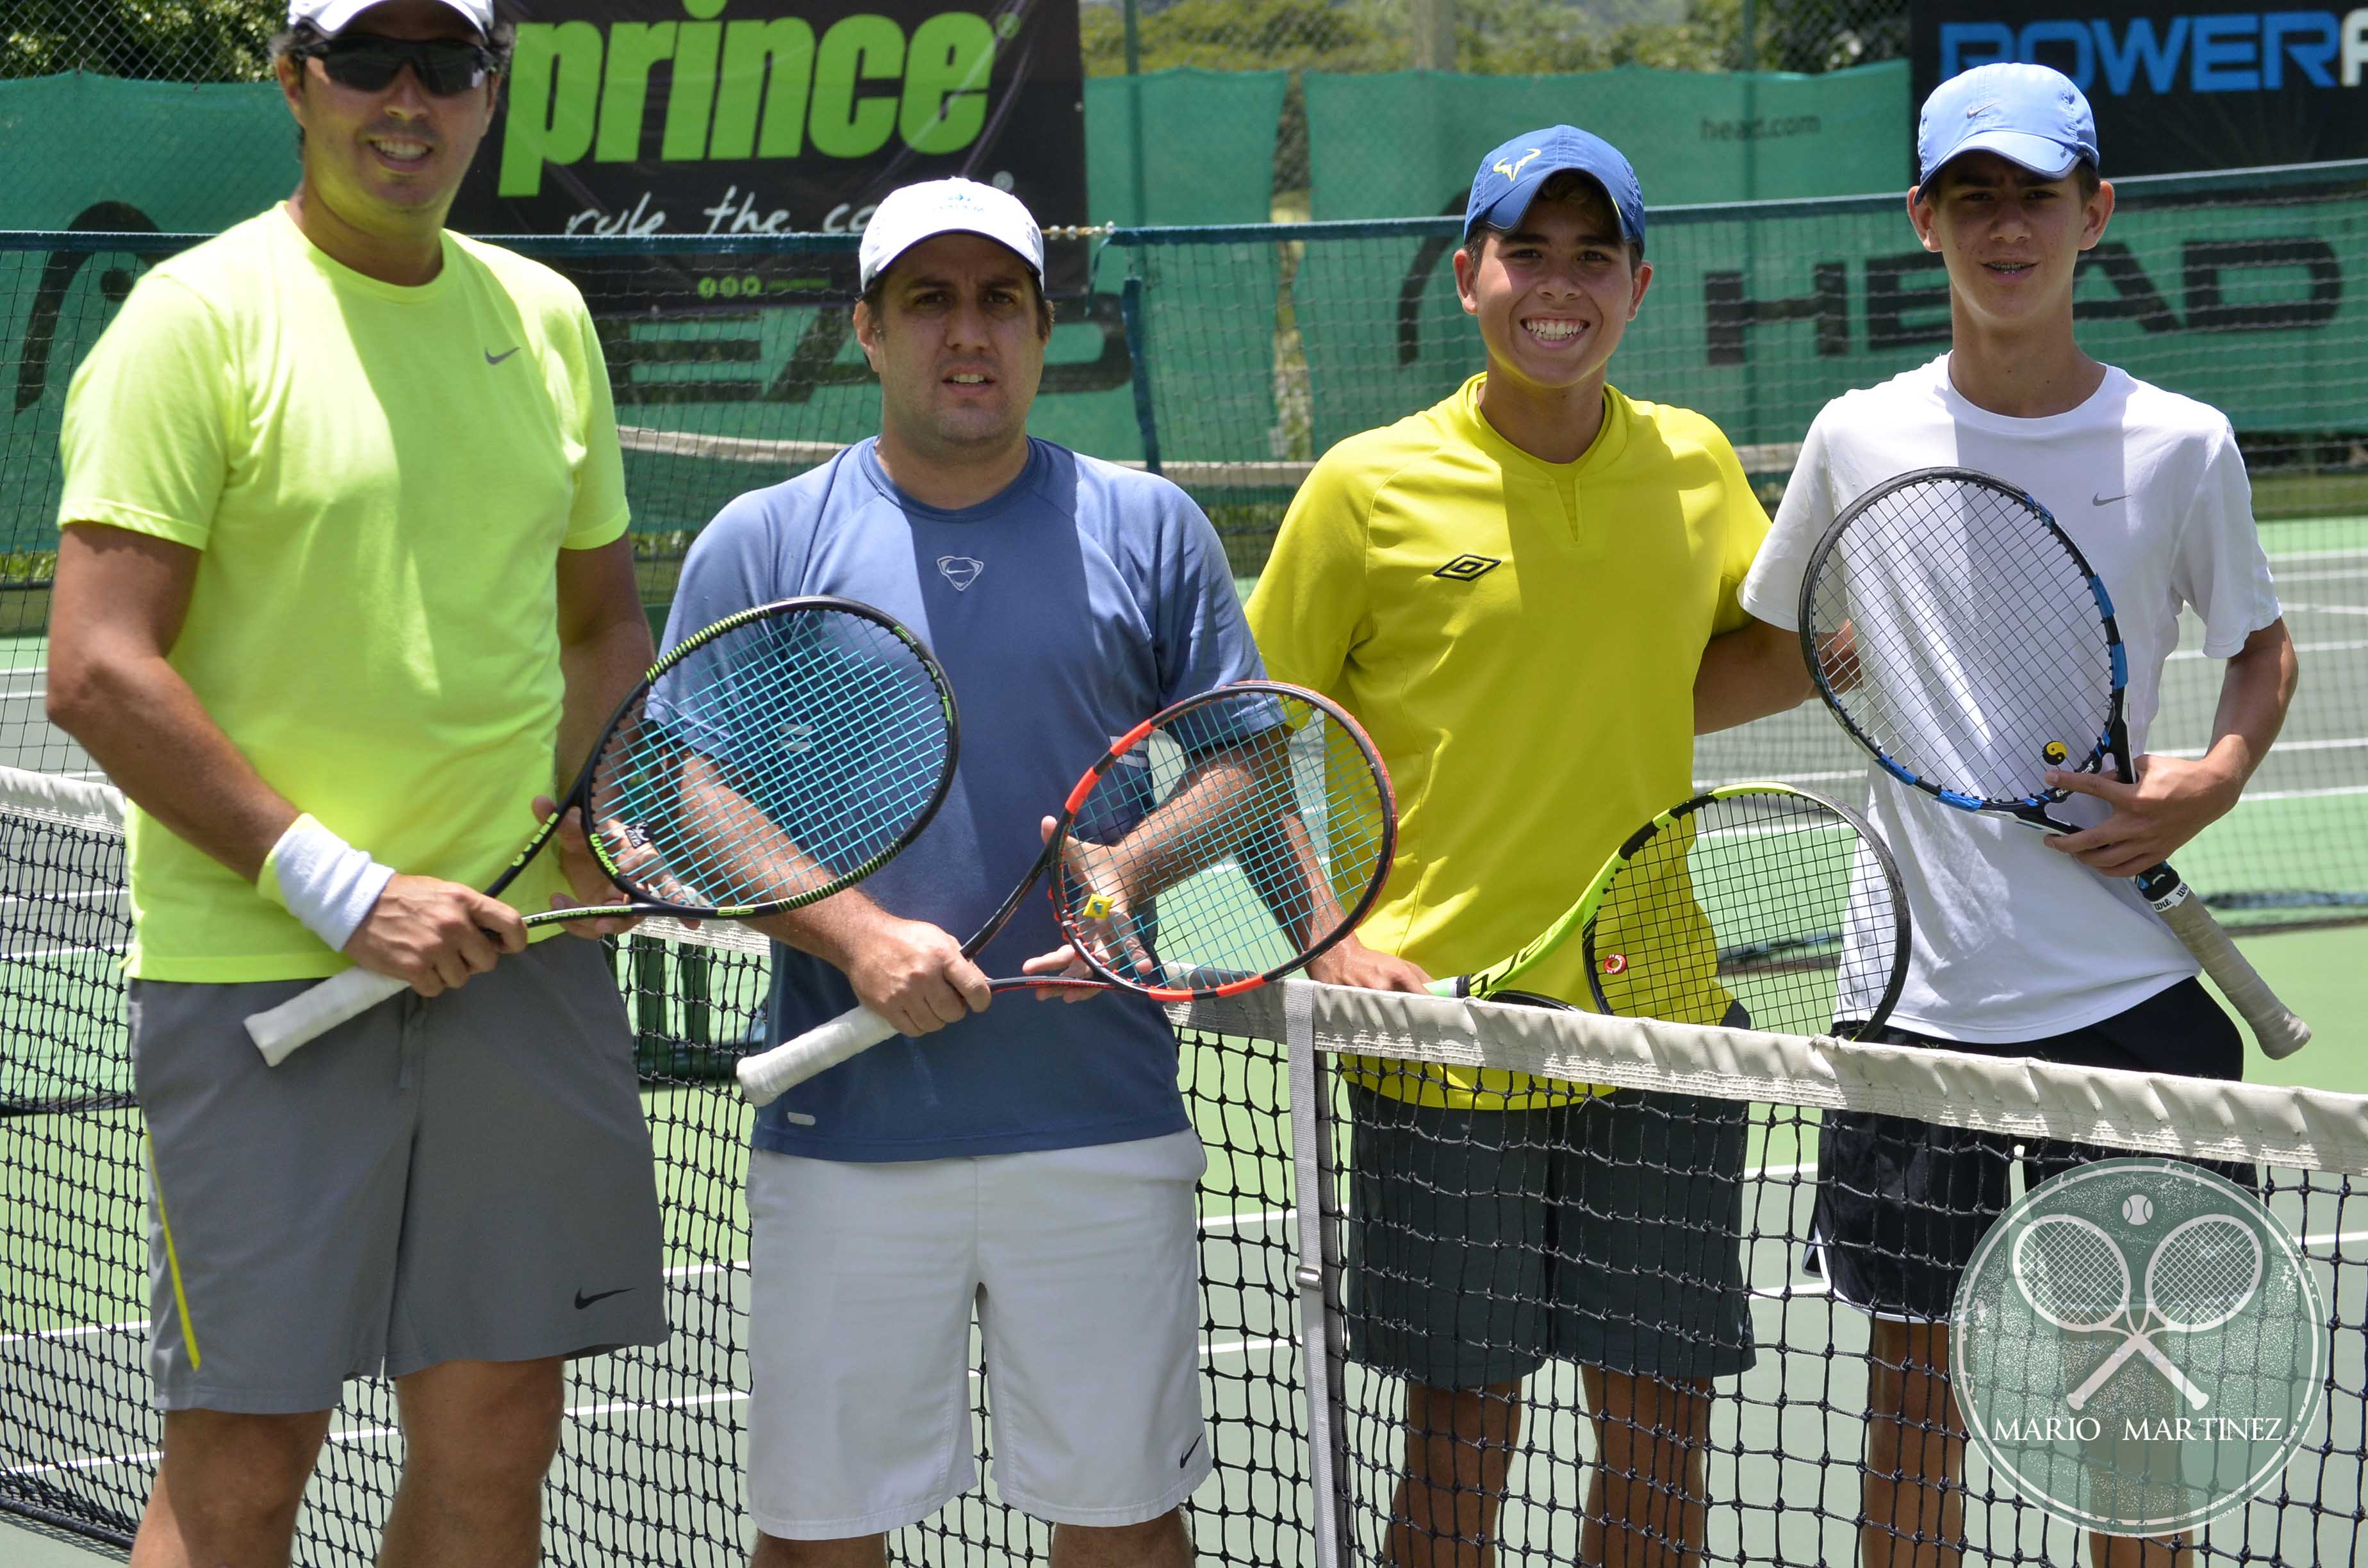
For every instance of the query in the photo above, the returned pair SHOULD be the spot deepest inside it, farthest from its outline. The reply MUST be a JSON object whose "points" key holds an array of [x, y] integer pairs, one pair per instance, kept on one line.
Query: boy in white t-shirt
{"points": [[2024, 945]]}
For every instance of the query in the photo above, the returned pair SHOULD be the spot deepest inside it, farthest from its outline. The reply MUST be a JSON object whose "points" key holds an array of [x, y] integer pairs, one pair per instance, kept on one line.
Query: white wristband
{"points": [[323, 880]]}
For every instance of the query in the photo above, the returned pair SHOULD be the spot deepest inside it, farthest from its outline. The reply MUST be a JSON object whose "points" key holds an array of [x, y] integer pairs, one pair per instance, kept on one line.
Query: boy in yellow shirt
{"points": [[1527, 594]]}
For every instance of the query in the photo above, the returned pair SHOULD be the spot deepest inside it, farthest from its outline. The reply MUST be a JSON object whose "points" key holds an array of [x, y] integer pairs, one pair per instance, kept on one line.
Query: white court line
{"points": [[2347, 744], [41, 954], [2303, 794], [1831, 776], [81, 1331], [2288, 579], [76, 896], [2291, 607], [2250, 798], [2276, 556], [2353, 645]]}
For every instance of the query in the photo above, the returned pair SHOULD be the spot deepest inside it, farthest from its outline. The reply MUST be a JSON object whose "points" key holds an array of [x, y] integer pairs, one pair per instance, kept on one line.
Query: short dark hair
{"points": [[1568, 185], [876, 293]]}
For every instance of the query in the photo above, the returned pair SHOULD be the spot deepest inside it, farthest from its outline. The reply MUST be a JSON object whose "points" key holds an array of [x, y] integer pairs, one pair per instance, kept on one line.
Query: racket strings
{"points": [[2204, 1273], [1963, 637], [774, 760], [2072, 1274], [1768, 899], [1238, 834]]}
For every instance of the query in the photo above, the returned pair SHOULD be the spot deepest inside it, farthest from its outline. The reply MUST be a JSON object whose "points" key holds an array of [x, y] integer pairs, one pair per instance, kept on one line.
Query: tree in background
{"points": [[1492, 37], [170, 40]]}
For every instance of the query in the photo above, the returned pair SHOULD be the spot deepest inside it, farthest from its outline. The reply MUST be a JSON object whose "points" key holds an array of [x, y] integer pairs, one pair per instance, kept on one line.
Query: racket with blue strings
{"points": [[765, 761]]}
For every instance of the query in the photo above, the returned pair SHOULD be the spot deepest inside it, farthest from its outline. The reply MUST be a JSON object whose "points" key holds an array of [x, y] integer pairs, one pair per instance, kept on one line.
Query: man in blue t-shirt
{"points": [[1030, 1159]]}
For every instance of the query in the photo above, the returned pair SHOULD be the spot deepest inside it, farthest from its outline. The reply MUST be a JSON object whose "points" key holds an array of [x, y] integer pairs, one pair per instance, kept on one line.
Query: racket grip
{"points": [[310, 1014], [2279, 1032], [769, 1074]]}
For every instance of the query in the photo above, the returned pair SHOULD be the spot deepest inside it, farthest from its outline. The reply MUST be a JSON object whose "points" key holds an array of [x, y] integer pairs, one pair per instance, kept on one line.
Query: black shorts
{"points": [[1902, 1204], [1606, 1231]]}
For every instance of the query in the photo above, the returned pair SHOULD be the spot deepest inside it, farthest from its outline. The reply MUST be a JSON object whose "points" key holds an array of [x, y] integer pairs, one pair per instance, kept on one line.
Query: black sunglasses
{"points": [[444, 66]]}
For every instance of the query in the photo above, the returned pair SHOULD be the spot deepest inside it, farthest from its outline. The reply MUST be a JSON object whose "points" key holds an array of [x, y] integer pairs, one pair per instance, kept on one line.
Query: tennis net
{"points": [[651, 1461], [650, 1467]]}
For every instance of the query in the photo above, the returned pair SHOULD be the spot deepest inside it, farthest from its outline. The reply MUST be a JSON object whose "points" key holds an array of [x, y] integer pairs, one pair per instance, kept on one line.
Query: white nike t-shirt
{"points": [[2014, 940]]}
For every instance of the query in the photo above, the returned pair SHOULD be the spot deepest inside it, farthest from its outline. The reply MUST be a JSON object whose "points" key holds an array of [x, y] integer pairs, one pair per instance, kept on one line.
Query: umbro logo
{"points": [[1464, 568], [961, 570], [494, 358]]}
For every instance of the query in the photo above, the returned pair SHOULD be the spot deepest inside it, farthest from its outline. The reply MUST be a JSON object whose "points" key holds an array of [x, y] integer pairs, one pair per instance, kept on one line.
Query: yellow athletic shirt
{"points": [[1520, 639], [381, 480]]}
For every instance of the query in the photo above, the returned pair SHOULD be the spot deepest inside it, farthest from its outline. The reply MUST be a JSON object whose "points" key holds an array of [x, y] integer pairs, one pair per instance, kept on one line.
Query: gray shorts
{"points": [[466, 1180], [1483, 1243]]}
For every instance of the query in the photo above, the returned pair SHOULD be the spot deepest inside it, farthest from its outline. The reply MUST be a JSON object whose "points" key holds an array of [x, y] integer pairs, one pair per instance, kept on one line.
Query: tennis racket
{"points": [[1759, 893], [764, 762], [2201, 1275], [2074, 1278], [1961, 638], [1217, 846]]}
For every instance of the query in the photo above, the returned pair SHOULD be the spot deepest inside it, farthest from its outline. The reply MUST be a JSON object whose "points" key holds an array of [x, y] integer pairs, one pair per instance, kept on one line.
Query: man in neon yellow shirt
{"points": [[342, 590], [1527, 594]]}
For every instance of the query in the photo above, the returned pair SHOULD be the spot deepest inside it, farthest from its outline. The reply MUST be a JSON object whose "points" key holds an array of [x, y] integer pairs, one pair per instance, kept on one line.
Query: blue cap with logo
{"points": [[2030, 115], [1511, 177]]}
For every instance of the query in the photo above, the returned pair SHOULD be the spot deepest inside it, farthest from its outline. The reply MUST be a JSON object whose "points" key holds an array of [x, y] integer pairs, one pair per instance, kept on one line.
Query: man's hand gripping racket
{"points": [[765, 761], [1217, 846], [1961, 637]]}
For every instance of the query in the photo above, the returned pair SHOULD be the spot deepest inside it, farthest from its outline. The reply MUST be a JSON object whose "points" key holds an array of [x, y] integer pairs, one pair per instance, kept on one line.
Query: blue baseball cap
{"points": [[1511, 177], [2030, 115]]}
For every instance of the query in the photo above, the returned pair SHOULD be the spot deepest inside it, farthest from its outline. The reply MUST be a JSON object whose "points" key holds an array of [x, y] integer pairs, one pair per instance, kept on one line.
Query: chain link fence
{"points": [[1286, 43], [1493, 37], [223, 40]]}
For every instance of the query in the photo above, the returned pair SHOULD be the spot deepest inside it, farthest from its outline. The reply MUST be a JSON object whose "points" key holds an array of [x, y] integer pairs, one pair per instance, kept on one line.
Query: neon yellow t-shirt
{"points": [[1520, 639], [380, 479]]}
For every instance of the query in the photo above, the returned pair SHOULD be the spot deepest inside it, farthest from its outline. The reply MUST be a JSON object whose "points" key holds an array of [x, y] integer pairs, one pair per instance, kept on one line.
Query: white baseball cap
{"points": [[912, 213], [334, 17]]}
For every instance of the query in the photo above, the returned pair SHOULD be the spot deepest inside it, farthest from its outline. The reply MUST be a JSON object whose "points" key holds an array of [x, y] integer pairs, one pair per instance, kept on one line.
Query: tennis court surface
{"points": [[650, 1461]]}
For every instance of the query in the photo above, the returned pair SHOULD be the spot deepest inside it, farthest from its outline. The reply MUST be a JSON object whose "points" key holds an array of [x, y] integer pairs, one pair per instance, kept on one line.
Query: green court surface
{"points": [[22, 1547]]}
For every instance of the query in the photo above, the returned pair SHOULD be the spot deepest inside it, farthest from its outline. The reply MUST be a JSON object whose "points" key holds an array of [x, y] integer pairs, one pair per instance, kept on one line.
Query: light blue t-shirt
{"points": [[1065, 611]]}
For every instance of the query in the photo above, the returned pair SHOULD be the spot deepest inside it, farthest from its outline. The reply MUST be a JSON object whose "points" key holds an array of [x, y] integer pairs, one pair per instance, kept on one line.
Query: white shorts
{"points": [[1084, 1267]]}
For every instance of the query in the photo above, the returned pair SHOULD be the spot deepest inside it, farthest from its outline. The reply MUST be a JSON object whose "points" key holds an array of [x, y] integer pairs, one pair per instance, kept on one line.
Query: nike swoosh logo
{"points": [[583, 1300], [1190, 1452], [2095, 500], [494, 358]]}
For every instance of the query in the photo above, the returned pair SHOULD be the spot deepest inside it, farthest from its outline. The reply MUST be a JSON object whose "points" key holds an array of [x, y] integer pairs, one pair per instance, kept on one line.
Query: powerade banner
{"points": [[761, 117], [2175, 87]]}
